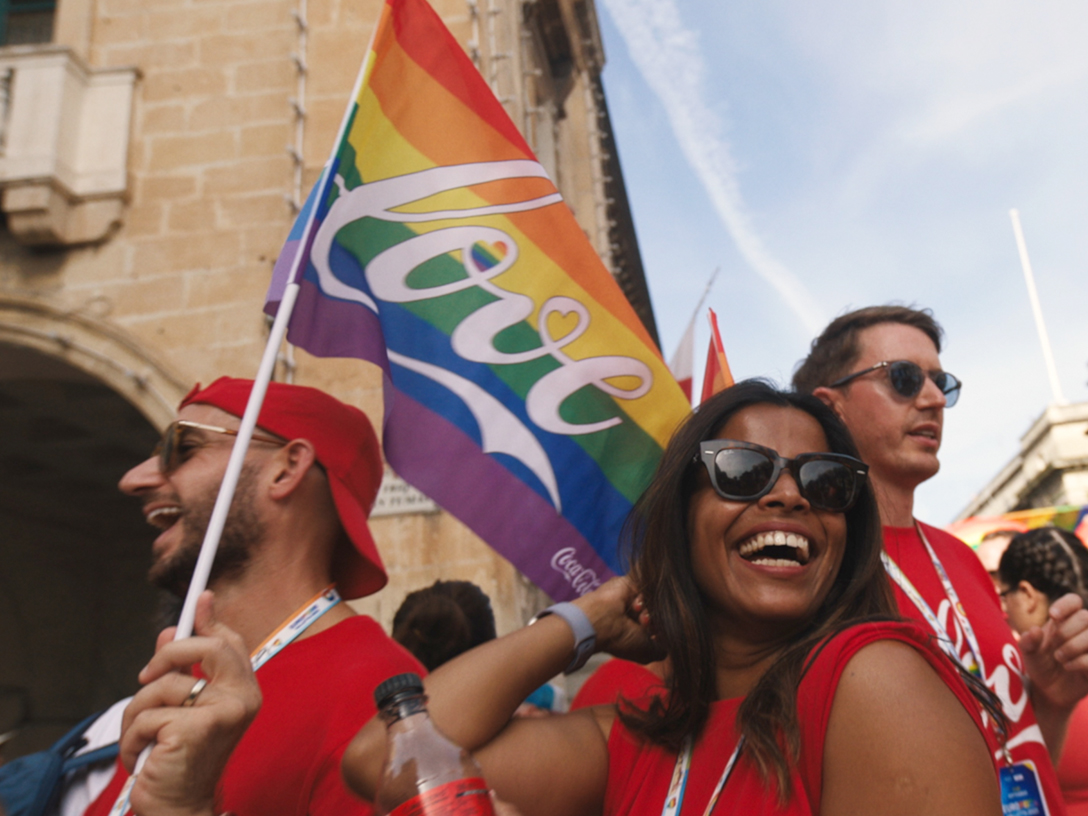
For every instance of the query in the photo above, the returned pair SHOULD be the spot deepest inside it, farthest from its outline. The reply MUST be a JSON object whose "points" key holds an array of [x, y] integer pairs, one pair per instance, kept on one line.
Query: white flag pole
{"points": [[695, 314], [210, 545], [1033, 296], [687, 340], [706, 292], [208, 549], [218, 518]]}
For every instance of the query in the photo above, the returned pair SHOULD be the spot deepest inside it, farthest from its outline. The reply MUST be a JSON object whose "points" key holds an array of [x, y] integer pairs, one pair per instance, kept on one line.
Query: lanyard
{"points": [[309, 612], [975, 666], [974, 660], [286, 632], [674, 799]]}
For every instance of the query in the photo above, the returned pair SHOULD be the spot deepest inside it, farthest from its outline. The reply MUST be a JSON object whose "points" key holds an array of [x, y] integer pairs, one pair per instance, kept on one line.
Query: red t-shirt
{"points": [[612, 679], [1073, 767], [639, 772], [1002, 665], [318, 692]]}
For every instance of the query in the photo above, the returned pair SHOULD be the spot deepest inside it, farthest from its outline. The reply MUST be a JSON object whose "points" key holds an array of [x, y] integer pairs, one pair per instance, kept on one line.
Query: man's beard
{"points": [[241, 536]]}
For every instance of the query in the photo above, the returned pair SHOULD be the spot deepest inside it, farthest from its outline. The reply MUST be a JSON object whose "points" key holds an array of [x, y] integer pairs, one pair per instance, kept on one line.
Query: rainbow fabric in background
{"points": [[1071, 517], [522, 393]]}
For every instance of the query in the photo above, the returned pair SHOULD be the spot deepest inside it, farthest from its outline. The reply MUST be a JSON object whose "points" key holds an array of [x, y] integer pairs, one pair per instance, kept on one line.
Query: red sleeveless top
{"points": [[639, 772]]}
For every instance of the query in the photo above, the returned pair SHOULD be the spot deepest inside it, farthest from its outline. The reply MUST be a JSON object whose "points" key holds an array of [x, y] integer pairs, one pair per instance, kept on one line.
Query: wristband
{"points": [[585, 636]]}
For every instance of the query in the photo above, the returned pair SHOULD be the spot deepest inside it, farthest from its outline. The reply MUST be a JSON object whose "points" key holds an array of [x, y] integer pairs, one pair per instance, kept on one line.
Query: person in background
{"points": [[441, 621], [1038, 568], [879, 369]]}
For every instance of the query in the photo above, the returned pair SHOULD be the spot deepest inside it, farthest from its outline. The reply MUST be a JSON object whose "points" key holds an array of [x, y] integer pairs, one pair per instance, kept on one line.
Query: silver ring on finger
{"points": [[198, 687]]}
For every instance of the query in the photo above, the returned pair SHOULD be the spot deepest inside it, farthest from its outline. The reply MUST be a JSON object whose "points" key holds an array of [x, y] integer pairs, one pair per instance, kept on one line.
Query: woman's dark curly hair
{"points": [[1052, 560], [656, 536]]}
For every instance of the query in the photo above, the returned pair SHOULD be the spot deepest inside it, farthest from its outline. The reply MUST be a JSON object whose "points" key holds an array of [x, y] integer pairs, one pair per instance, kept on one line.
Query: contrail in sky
{"points": [[668, 57]]}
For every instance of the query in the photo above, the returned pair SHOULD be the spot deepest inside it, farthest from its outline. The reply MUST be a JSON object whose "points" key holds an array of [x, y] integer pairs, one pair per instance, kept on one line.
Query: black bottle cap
{"points": [[409, 682]]}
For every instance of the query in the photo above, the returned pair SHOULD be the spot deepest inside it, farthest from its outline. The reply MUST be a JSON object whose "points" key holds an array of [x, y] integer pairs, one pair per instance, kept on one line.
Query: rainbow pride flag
{"points": [[1071, 517], [522, 393]]}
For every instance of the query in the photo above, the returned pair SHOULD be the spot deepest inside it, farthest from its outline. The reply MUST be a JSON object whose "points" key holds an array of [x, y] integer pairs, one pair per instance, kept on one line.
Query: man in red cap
{"points": [[295, 541]]}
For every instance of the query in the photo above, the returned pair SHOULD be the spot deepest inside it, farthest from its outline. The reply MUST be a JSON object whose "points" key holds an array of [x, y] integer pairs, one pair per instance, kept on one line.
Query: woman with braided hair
{"points": [[1039, 567]]}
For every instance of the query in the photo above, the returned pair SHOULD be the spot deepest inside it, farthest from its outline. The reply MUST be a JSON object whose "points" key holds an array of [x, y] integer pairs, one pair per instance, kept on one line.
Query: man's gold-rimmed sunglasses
{"points": [[168, 448]]}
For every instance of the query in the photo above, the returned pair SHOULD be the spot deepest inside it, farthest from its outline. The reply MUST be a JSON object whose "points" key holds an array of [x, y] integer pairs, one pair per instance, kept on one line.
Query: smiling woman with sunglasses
{"points": [[756, 565]]}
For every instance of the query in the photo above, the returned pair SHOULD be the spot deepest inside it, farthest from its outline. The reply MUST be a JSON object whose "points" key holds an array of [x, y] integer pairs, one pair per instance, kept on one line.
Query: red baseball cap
{"points": [[346, 446]]}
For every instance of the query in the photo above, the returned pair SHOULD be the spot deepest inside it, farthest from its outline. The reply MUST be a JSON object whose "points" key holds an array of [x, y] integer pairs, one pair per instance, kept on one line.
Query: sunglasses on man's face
{"points": [[171, 448], [907, 379], [745, 472]]}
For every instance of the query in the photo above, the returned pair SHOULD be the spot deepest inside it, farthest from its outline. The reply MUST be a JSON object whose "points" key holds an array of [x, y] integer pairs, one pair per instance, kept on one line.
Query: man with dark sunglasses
{"points": [[879, 369], [296, 541]]}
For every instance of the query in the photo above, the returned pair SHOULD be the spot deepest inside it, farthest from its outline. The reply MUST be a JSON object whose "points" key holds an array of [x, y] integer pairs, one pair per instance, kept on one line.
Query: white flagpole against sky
{"points": [[682, 362], [1036, 309]]}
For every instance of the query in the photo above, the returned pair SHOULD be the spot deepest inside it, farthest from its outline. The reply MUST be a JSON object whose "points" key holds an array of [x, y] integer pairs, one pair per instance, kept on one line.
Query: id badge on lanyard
{"points": [[1021, 792]]}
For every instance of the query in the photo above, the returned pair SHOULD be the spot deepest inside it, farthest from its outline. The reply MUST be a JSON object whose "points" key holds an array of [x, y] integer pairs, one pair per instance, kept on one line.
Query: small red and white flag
{"points": [[717, 376], [682, 364]]}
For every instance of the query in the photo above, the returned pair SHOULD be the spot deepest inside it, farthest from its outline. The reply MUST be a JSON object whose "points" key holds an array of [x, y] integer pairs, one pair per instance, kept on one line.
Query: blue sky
{"points": [[829, 156]]}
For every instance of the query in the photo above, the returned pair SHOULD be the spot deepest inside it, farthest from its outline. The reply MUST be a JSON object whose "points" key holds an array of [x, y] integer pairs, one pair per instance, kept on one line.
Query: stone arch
{"points": [[96, 348], [79, 405]]}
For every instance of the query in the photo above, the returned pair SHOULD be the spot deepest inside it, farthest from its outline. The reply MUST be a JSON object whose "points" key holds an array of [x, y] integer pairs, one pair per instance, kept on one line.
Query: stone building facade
{"points": [[1050, 470], [153, 154]]}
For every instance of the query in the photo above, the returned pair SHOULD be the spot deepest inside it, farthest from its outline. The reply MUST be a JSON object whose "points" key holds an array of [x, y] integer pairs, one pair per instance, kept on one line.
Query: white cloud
{"points": [[668, 57]]}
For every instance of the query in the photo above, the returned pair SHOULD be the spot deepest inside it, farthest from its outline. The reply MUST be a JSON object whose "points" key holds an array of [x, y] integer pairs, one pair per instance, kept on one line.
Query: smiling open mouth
{"points": [[164, 517], [776, 549]]}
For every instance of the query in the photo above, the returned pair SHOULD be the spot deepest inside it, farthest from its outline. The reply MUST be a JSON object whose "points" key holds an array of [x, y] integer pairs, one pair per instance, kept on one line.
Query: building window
{"points": [[24, 22]]}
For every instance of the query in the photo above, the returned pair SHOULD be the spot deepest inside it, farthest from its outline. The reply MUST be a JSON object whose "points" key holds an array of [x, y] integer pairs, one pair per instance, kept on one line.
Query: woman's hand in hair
{"points": [[621, 621]]}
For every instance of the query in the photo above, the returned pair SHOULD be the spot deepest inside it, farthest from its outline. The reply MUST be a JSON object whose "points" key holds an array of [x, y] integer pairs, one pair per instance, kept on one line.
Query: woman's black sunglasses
{"points": [[743, 471], [907, 379]]}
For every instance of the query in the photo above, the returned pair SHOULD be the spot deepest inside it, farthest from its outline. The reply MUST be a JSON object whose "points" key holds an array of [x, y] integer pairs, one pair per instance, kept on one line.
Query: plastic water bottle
{"points": [[425, 774]]}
